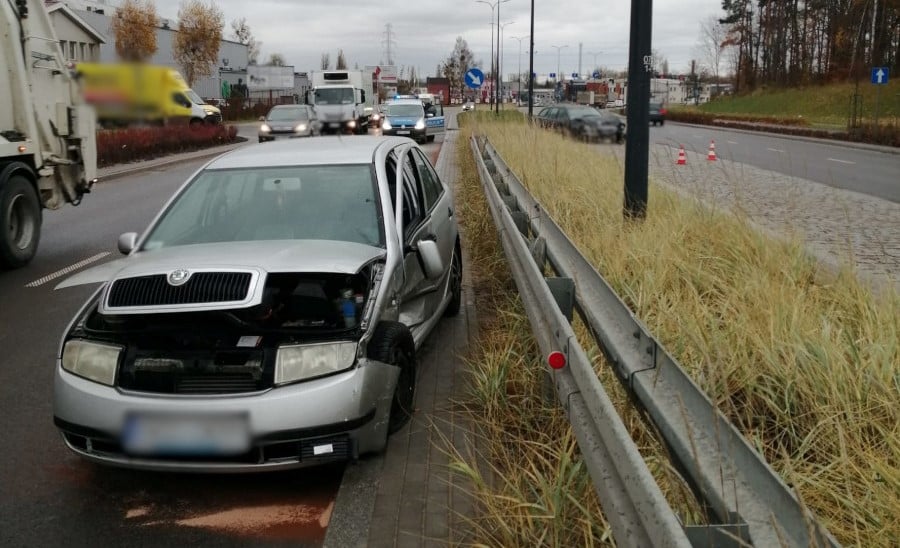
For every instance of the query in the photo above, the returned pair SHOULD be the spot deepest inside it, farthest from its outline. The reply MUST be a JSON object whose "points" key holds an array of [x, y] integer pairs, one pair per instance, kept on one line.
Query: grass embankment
{"points": [[825, 106], [805, 364]]}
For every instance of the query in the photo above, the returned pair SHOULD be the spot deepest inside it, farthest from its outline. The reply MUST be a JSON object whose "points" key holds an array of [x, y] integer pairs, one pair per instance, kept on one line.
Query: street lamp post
{"points": [[595, 54], [558, 74], [500, 62], [497, 87], [492, 5], [519, 73]]}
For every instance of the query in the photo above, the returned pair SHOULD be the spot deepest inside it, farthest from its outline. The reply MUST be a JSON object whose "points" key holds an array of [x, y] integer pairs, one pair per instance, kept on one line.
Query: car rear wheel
{"points": [[392, 343]]}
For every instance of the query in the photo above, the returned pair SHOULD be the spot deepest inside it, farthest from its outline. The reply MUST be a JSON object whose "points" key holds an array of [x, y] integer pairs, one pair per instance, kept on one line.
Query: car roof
{"points": [[357, 149], [405, 102]]}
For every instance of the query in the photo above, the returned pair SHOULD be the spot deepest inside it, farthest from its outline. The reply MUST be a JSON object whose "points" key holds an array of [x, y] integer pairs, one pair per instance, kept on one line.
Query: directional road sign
{"points": [[596, 74], [474, 78], [574, 75], [552, 75], [880, 75]]}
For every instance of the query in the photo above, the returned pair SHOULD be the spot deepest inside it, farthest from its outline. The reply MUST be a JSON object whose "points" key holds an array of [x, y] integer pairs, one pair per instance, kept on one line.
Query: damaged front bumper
{"points": [[328, 419]]}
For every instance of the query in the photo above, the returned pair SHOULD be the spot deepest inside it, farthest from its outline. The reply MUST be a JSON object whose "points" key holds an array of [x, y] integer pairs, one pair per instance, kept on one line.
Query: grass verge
{"points": [[806, 364]]}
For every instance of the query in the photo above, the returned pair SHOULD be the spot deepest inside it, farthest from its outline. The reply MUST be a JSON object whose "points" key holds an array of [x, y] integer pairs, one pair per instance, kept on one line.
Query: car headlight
{"points": [[265, 128], [209, 112], [298, 362], [351, 123], [386, 124], [95, 361], [420, 124], [300, 127]]}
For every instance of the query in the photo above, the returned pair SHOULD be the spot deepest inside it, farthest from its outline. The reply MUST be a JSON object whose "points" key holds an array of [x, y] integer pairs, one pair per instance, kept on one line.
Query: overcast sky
{"points": [[424, 31]]}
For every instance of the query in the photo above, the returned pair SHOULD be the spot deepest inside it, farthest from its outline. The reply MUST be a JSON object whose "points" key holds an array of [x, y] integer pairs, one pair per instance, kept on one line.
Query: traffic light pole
{"points": [[637, 153]]}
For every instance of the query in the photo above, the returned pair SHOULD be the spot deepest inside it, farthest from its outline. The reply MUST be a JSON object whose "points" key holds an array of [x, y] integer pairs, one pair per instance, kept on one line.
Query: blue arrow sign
{"points": [[596, 74], [880, 75], [474, 78]]}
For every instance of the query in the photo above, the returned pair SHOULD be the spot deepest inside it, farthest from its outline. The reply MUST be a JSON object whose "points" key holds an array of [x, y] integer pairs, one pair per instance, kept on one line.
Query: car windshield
{"points": [[335, 96], [326, 202], [404, 110], [288, 114], [192, 95]]}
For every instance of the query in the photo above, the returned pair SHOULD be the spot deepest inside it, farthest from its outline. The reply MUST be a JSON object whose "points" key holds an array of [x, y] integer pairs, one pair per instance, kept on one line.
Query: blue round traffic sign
{"points": [[474, 78]]}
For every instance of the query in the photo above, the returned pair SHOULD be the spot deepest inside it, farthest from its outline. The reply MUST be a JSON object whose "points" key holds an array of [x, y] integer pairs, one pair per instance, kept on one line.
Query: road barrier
{"points": [[746, 499]]}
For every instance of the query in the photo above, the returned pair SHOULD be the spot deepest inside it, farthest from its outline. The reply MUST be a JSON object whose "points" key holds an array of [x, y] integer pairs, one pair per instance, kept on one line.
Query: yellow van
{"points": [[126, 93]]}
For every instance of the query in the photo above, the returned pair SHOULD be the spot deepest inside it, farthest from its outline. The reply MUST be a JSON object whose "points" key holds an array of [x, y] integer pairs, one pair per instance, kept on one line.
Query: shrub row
{"points": [[882, 134], [116, 146]]}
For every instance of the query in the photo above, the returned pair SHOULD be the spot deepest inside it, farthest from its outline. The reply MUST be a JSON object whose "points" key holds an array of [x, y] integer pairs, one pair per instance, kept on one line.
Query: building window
{"points": [[82, 52], [72, 50], [62, 45]]}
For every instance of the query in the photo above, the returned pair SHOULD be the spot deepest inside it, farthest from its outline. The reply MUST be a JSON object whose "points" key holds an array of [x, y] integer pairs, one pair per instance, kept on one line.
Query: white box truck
{"points": [[48, 147], [343, 100]]}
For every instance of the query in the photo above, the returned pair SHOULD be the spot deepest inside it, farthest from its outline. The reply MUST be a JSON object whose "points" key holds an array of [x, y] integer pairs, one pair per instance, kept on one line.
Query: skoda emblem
{"points": [[178, 277]]}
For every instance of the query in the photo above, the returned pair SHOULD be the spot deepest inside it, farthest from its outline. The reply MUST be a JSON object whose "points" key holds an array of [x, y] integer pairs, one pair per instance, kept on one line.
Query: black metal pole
{"points": [[638, 99], [531, 65]]}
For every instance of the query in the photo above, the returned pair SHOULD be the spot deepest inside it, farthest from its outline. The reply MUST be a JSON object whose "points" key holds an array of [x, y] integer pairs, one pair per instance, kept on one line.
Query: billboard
{"points": [[384, 74], [262, 78]]}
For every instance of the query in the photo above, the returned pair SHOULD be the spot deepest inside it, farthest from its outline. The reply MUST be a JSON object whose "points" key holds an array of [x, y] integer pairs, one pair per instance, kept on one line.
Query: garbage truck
{"points": [[48, 148], [343, 100]]}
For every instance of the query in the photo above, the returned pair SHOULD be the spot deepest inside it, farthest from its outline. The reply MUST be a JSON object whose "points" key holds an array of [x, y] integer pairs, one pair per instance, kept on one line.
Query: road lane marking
{"points": [[732, 142], [67, 269], [842, 161], [776, 150]]}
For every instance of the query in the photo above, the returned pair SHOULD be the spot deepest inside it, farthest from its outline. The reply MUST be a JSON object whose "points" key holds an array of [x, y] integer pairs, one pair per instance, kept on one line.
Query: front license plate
{"points": [[334, 125], [146, 434], [402, 133]]}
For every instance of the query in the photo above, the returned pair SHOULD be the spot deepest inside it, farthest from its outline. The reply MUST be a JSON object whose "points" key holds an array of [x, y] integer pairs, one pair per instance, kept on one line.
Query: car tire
{"points": [[392, 343], [455, 283], [429, 139], [20, 222]]}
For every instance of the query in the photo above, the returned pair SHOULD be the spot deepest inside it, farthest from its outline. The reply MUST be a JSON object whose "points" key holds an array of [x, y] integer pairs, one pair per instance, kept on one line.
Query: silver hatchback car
{"points": [[288, 122], [269, 316]]}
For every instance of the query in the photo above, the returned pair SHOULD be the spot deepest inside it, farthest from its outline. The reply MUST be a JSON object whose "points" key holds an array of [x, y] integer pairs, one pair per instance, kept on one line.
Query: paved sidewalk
{"points": [[408, 497]]}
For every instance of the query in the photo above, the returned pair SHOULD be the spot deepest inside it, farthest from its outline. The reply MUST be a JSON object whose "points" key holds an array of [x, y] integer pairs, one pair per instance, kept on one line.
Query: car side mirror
{"points": [[262, 118], [430, 259], [126, 242]]}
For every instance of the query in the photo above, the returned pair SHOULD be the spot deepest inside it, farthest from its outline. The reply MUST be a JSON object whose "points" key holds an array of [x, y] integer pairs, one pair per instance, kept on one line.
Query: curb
{"points": [[122, 170]]}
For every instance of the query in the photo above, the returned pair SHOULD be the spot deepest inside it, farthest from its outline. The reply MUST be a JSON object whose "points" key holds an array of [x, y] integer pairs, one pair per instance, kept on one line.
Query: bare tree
{"points": [[711, 45], [134, 29], [456, 66], [341, 61], [241, 31], [276, 60], [325, 64], [196, 45]]}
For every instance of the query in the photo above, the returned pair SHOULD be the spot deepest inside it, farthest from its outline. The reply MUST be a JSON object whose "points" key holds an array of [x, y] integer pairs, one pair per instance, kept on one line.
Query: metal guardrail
{"points": [[749, 501]]}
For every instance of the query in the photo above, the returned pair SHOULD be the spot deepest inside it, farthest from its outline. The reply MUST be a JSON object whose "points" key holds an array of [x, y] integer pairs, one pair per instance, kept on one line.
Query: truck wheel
{"points": [[20, 222], [393, 343]]}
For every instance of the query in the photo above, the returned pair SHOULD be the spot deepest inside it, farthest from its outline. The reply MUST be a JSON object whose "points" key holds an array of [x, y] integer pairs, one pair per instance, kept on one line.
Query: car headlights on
{"points": [[386, 124], [298, 362], [420, 124], [300, 127], [265, 128], [351, 123], [95, 361]]}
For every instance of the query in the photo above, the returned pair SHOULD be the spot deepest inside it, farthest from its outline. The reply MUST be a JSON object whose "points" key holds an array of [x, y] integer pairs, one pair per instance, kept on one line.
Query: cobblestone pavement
{"points": [[839, 227]]}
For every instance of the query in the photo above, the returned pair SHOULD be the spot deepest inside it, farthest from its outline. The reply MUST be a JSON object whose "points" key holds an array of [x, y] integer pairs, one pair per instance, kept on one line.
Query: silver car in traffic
{"points": [[270, 315], [288, 122]]}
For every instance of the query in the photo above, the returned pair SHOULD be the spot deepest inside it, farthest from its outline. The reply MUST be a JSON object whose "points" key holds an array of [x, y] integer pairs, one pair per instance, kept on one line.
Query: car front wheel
{"points": [[392, 343], [455, 283]]}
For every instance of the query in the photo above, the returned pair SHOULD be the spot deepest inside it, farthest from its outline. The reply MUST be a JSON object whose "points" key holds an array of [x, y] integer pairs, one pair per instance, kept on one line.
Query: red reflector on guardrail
{"points": [[557, 360]]}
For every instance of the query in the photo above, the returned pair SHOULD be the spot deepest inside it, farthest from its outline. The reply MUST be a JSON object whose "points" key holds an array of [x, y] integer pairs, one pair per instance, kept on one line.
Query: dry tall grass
{"points": [[806, 364]]}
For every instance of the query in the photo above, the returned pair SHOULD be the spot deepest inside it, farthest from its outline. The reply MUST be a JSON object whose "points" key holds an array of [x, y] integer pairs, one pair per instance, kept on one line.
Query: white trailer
{"points": [[343, 100], [48, 150]]}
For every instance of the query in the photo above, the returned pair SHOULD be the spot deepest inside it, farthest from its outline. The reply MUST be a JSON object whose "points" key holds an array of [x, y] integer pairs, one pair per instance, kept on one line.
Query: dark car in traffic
{"points": [[657, 114], [582, 122]]}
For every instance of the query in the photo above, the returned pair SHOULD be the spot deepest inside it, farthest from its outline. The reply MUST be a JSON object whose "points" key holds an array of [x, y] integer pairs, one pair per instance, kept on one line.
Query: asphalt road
{"points": [[48, 496], [831, 163]]}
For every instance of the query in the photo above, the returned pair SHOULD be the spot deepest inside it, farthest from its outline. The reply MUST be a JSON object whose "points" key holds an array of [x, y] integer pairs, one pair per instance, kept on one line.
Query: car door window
{"points": [[413, 199], [431, 184]]}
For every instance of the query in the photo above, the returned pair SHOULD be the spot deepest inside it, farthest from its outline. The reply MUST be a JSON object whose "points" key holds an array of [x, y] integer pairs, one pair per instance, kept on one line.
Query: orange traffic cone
{"points": [[682, 159], [712, 152]]}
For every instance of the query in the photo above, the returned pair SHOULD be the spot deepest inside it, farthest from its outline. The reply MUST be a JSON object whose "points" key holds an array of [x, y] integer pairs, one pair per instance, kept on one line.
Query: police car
{"points": [[409, 116]]}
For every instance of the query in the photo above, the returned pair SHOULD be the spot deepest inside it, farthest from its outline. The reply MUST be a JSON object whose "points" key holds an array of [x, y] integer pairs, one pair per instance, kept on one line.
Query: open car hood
{"points": [[299, 256]]}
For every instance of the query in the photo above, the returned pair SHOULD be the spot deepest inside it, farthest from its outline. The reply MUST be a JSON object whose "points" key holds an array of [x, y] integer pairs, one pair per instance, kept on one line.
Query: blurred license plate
{"points": [[186, 435], [334, 125], [402, 133]]}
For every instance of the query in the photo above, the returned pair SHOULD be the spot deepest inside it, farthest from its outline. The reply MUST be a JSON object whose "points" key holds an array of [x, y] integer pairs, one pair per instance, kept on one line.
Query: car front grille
{"points": [[201, 287], [216, 384]]}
